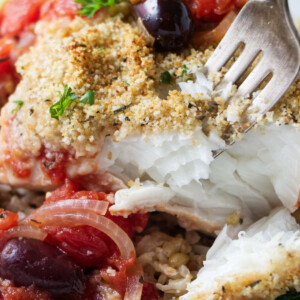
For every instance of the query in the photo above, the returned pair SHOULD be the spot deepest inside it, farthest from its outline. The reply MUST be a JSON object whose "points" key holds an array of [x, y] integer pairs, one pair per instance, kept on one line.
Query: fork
{"points": [[265, 27]]}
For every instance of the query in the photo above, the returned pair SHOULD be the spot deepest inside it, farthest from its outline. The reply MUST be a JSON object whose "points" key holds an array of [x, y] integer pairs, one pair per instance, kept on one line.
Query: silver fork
{"points": [[266, 27]]}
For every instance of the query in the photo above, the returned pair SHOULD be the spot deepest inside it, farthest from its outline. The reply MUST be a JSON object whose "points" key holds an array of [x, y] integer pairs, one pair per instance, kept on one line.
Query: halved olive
{"points": [[167, 21], [31, 262]]}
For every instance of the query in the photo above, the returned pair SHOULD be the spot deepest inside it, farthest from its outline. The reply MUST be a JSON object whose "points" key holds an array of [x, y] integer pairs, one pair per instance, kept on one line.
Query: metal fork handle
{"points": [[284, 7]]}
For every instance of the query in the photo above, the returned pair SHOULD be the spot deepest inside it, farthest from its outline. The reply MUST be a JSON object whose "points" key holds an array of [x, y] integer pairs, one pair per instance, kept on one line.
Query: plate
{"points": [[295, 8]]}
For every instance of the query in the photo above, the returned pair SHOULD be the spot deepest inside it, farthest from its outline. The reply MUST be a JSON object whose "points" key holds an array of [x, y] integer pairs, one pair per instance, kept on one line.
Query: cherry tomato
{"points": [[80, 240], [53, 9], [8, 219], [18, 14], [5, 63], [86, 245], [212, 9]]}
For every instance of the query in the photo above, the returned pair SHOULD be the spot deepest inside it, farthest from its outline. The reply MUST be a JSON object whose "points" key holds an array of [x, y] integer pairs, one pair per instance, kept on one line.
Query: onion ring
{"points": [[26, 231], [215, 35], [67, 206], [134, 288], [101, 223]]}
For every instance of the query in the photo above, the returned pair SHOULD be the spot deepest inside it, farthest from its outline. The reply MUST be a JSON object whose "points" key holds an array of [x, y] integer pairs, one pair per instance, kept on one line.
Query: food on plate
{"points": [[108, 108], [261, 263]]}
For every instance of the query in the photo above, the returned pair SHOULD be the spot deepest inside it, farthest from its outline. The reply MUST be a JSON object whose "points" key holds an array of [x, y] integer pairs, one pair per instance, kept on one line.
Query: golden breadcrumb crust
{"points": [[113, 59]]}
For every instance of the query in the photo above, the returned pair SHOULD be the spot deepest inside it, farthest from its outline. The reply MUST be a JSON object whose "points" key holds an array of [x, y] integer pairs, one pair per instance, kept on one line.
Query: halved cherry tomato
{"points": [[18, 14], [88, 246], [212, 9], [8, 219], [5, 63], [53, 9]]}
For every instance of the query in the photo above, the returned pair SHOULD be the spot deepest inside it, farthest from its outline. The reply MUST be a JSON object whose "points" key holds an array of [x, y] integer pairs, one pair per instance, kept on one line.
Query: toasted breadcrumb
{"points": [[284, 275], [112, 58]]}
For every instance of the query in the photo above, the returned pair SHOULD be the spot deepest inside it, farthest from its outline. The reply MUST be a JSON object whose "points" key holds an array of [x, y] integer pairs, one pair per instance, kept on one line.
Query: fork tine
{"points": [[222, 54], [260, 72], [241, 64]]}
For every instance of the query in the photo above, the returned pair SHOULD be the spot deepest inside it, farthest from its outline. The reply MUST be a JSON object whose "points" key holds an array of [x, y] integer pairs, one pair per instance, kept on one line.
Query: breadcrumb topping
{"points": [[112, 58]]}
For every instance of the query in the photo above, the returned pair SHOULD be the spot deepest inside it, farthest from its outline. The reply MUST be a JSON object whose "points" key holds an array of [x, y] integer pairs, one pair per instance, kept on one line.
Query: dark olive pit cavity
{"points": [[31, 262], [168, 22]]}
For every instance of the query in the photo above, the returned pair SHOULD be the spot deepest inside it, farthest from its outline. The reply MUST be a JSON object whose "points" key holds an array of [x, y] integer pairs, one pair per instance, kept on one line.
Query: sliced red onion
{"points": [[134, 282], [101, 223], [68, 206], [26, 231]]}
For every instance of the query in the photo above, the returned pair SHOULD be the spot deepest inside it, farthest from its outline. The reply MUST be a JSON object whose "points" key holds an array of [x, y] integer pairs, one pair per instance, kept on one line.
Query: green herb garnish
{"points": [[166, 77], [58, 108], [18, 107], [184, 72], [122, 108], [90, 7], [88, 97], [126, 83]]}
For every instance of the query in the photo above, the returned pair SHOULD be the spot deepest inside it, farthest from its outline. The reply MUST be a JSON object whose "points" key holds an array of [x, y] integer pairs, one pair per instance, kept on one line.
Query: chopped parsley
{"points": [[126, 83], [184, 71], [88, 98], [166, 77], [18, 107], [122, 108], [58, 108], [184, 74], [90, 7]]}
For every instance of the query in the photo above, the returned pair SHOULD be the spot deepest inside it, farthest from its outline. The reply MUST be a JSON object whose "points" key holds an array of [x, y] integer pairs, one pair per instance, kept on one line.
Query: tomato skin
{"points": [[8, 219], [77, 241], [5, 48], [53, 9], [18, 14], [80, 240], [212, 10], [117, 280]]}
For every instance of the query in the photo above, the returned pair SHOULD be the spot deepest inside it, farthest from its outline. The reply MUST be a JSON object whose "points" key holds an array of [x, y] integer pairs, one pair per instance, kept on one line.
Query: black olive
{"points": [[31, 262], [167, 21]]}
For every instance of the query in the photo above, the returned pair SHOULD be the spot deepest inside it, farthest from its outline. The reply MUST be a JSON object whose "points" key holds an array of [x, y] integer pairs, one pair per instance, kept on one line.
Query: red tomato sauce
{"points": [[80, 240], [89, 247], [54, 165]]}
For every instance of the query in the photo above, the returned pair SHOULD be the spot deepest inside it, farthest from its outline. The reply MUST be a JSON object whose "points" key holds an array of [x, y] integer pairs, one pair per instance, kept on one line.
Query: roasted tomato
{"points": [[18, 14], [212, 10], [53, 9], [88, 246], [8, 219]]}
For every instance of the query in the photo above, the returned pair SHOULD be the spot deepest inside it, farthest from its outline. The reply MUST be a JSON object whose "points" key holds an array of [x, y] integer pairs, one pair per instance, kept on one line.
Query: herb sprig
{"points": [[122, 108], [166, 77], [90, 7], [184, 74], [88, 98], [58, 108], [18, 107]]}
